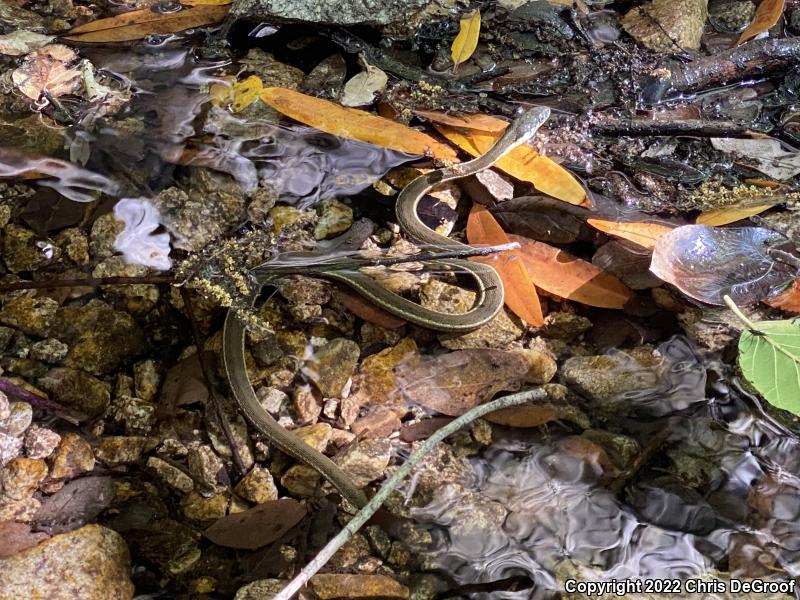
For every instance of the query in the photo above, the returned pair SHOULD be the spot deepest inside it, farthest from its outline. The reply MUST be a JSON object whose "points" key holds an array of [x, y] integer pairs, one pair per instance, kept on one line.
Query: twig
{"points": [[646, 127], [223, 422], [86, 282], [387, 488], [35, 400]]}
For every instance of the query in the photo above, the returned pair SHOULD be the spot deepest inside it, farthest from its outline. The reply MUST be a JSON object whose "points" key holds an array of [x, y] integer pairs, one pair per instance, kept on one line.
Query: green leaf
{"points": [[769, 356]]}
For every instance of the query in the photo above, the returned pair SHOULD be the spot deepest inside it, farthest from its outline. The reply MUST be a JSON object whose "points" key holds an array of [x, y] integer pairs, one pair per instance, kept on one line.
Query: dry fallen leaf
{"points": [[520, 293], [767, 15], [138, 24], [360, 90], [354, 124], [51, 70], [466, 41], [731, 214], [567, 276], [258, 526], [455, 382], [644, 234], [523, 162]]}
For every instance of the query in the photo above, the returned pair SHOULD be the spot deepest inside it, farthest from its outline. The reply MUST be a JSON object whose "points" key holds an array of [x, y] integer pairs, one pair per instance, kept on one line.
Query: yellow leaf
{"points": [[245, 93], [520, 293], [467, 39], [644, 234], [221, 93], [477, 121], [354, 124], [138, 24], [731, 214], [523, 162], [767, 14]]}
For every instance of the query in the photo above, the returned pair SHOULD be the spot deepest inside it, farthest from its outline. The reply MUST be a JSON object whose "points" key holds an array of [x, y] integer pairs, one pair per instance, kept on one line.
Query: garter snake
{"points": [[489, 297]]}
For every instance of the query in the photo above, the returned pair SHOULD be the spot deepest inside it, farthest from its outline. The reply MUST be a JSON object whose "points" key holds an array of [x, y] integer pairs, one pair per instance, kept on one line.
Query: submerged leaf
{"points": [[731, 214], [137, 242], [767, 14], [788, 300], [643, 234], [258, 526], [769, 357], [707, 263], [467, 39], [354, 124], [50, 71], [520, 293]]}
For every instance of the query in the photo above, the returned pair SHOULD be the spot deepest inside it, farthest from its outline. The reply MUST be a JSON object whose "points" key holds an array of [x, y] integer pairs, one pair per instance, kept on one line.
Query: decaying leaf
{"points": [[529, 415], [354, 124], [788, 300], [767, 15], [523, 162], [360, 90], [466, 41], [257, 527], [520, 293], [17, 537], [183, 384], [707, 263], [237, 94], [765, 154], [769, 357], [52, 70], [644, 234], [21, 42], [75, 504], [138, 24], [730, 214], [567, 276], [455, 382], [137, 242]]}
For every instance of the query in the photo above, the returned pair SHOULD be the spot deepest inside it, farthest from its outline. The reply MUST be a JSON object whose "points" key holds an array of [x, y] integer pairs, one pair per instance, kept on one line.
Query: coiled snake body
{"points": [[489, 298]]}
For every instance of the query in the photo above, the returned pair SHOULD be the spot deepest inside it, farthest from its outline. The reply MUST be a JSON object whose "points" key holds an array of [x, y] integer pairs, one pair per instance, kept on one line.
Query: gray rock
{"points": [[50, 351], [334, 12]]}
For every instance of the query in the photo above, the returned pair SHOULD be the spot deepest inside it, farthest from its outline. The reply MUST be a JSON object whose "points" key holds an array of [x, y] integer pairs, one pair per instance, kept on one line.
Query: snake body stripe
{"points": [[489, 299]]}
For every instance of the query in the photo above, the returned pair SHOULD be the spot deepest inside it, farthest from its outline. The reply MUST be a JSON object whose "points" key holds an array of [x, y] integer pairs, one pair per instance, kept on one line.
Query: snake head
{"points": [[529, 122]]}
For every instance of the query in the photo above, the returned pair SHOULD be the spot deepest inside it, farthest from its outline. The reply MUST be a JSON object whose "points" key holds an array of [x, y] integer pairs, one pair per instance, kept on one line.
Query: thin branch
{"points": [[86, 282], [395, 480], [37, 401]]}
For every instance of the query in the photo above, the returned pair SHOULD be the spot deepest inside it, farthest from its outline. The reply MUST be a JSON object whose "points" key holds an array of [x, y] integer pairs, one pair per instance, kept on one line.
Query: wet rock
{"points": [[171, 546], [20, 477], [77, 389], [40, 442], [23, 251], [206, 469], [365, 461], [379, 422], [305, 290], [332, 366], [72, 457], [51, 351], [205, 509], [565, 326], [257, 486], [441, 466], [75, 245], [497, 333], [147, 379], [301, 481], [472, 512], [329, 12], [601, 378], [105, 230], [240, 438], [170, 474], [20, 417], [334, 218], [351, 553], [272, 399], [6, 335], [134, 413], [99, 337], [34, 316], [317, 436], [138, 298], [5, 407], [667, 25], [123, 450], [263, 589], [306, 403], [731, 16], [272, 72], [90, 563], [330, 586]]}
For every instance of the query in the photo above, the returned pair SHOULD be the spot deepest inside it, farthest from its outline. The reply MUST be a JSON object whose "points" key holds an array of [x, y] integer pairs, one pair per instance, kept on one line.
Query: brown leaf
{"points": [[520, 293], [564, 275], [357, 305], [644, 234], [17, 537], [184, 384], [75, 504], [257, 527], [455, 382], [789, 300], [354, 124], [477, 121], [138, 24], [529, 415], [767, 15], [731, 214], [48, 70], [523, 162]]}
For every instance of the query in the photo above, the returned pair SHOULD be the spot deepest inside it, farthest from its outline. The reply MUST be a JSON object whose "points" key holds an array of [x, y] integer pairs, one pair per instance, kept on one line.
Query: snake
{"points": [[488, 300]]}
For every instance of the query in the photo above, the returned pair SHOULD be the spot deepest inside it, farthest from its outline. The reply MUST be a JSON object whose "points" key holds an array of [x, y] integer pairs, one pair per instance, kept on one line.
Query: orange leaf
{"points": [[523, 162], [644, 234], [789, 300], [138, 24], [767, 14], [731, 214], [354, 124], [357, 305], [520, 293], [477, 121], [567, 276]]}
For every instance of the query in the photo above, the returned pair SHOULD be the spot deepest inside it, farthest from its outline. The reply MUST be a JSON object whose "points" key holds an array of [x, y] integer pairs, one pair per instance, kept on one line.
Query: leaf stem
{"points": [[739, 314]]}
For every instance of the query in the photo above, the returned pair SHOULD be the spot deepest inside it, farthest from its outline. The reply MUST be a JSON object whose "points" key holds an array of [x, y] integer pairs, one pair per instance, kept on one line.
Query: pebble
{"points": [[317, 436], [365, 461], [331, 586], [136, 414], [301, 481], [10, 447], [90, 563], [306, 404], [335, 217], [271, 399], [170, 474], [21, 251], [19, 419], [51, 351], [77, 389], [33, 316], [332, 365], [257, 486], [123, 450], [20, 477], [206, 468], [40, 442], [5, 407], [205, 509], [72, 457]]}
